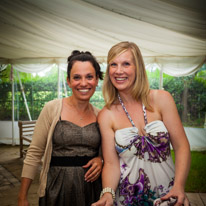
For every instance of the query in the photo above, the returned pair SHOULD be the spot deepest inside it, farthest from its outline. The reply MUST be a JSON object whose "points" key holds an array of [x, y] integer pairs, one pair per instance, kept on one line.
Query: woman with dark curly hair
{"points": [[67, 139]]}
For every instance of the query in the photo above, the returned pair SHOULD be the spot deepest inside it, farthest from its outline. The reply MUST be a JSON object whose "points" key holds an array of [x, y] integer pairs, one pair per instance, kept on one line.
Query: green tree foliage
{"points": [[201, 75], [189, 93], [39, 90], [5, 73], [153, 77]]}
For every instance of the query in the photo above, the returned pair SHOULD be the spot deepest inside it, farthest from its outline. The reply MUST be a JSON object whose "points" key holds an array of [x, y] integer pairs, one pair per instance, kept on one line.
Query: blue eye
{"points": [[113, 64], [126, 63]]}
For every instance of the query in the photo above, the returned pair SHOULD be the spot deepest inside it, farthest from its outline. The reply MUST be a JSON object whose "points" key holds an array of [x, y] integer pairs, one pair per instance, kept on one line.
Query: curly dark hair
{"points": [[76, 55]]}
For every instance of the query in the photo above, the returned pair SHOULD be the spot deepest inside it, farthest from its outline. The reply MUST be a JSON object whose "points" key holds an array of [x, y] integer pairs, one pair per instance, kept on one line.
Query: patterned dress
{"points": [[146, 165], [65, 184]]}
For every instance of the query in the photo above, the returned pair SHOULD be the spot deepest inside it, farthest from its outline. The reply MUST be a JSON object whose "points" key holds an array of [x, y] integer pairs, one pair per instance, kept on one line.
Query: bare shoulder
{"points": [[160, 96], [104, 115], [157, 93], [162, 100]]}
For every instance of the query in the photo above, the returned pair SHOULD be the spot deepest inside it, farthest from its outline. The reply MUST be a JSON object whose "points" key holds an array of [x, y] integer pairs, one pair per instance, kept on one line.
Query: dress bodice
{"points": [[70, 139], [155, 143]]}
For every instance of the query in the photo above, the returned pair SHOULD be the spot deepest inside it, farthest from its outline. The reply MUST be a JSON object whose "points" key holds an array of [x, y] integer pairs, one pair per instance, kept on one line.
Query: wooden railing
{"points": [[26, 129]]}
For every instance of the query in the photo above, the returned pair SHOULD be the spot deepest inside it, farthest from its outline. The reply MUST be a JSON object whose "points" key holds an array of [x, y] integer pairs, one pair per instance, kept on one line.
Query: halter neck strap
{"points": [[130, 119]]}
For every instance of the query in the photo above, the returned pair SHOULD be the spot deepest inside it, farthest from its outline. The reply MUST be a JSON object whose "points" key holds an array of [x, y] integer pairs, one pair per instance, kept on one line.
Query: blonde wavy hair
{"points": [[140, 89]]}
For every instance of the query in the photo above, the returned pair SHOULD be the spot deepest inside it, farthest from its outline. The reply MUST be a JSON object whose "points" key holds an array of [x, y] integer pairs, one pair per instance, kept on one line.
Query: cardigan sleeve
{"points": [[39, 140]]}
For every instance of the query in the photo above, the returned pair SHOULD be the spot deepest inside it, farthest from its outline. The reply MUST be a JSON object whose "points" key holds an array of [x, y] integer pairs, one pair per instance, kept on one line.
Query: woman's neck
{"points": [[127, 98], [79, 105]]}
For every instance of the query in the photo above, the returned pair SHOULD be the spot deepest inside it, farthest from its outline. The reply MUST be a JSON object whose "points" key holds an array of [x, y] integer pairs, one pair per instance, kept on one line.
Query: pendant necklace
{"points": [[81, 116]]}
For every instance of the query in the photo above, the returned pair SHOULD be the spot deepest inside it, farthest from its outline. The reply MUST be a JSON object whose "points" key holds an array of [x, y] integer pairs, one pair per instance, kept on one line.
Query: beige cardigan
{"points": [[41, 145]]}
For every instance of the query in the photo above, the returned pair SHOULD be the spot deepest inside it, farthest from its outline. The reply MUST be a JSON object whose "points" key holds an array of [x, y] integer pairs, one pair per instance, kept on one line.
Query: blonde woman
{"points": [[137, 126]]}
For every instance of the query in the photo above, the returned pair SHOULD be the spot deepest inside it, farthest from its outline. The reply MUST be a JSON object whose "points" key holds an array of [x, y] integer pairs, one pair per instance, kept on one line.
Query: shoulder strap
{"points": [[145, 114], [130, 119]]}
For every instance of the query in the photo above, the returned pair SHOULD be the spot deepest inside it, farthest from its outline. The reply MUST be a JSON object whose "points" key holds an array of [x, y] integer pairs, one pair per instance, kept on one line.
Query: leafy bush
{"points": [[39, 90]]}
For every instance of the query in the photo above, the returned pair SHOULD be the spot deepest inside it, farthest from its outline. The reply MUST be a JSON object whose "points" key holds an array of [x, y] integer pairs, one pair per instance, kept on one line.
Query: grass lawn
{"points": [[196, 181]]}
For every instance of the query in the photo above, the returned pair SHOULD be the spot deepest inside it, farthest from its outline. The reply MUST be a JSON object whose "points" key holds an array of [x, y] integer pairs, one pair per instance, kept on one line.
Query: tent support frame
{"points": [[12, 81], [25, 101], [161, 79]]}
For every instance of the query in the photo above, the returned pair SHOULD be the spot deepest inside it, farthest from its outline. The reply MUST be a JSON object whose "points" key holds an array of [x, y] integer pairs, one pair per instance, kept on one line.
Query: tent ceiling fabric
{"points": [[170, 33]]}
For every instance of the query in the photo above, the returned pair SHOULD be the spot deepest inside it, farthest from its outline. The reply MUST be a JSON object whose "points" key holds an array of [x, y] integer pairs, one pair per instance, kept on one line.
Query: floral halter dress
{"points": [[146, 165]]}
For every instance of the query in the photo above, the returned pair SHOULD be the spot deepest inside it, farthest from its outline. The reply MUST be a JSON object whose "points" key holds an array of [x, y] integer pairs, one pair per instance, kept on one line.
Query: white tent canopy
{"points": [[37, 34]]}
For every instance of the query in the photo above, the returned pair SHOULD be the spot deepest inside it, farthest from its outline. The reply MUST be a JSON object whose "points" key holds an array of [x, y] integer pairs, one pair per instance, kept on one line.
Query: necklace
{"points": [[81, 114], [82, 117]]}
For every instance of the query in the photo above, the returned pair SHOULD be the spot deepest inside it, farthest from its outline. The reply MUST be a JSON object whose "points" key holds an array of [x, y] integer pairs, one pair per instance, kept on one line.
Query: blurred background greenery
{"points": [[189, 93], [196, 181]]}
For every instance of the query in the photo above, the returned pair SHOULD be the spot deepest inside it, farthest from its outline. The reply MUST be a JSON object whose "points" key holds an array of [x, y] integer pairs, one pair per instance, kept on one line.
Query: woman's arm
{"points": [[179, 141], [22, 197], [111, 168], [34, 154]]}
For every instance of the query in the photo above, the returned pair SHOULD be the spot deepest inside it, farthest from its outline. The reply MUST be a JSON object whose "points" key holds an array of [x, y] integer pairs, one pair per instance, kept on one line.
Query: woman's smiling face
{"points": [[122, 71], [83, 80]]}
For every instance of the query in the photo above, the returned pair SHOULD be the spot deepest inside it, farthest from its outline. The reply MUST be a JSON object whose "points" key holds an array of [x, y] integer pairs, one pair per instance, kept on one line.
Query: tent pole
{"points": [[65, 88], [58, 88], [161, 79], [25, 101], [12, 80]]}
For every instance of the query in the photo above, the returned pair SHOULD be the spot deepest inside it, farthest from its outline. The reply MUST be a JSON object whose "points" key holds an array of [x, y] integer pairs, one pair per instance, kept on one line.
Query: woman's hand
{"points": [[179, 194], [95, 169], [106, 200]]}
